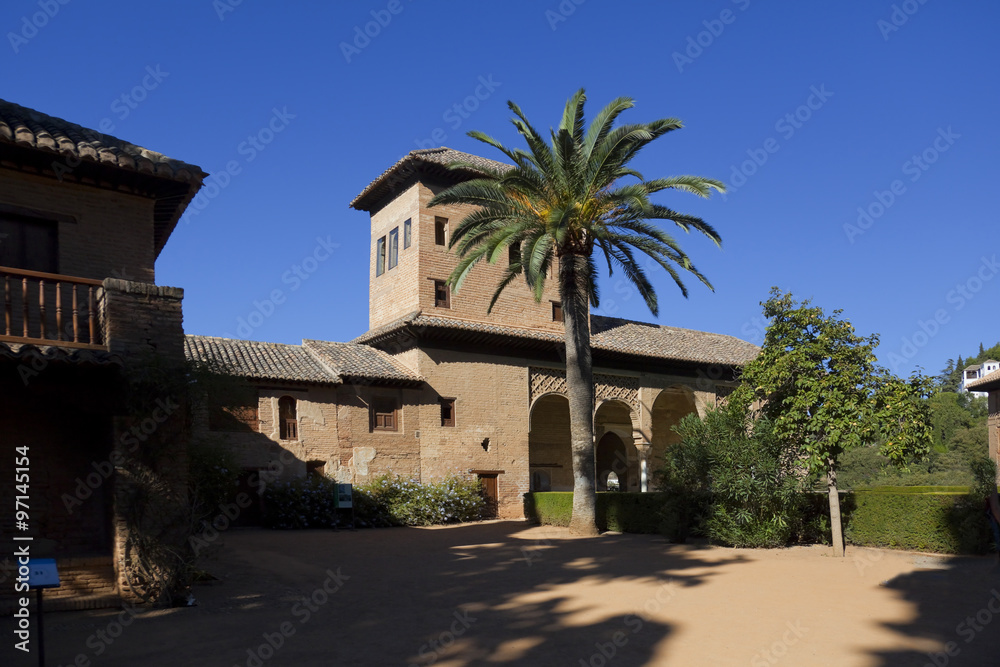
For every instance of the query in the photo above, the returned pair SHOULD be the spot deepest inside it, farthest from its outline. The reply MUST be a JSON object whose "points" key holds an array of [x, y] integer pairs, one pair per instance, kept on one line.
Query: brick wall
{"points": [[993, 424], [410, 286], [113, 232], [142, 319]]}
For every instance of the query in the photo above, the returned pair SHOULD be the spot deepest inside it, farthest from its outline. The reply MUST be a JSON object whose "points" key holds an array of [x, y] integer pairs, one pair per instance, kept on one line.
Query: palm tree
{"points": [[558, 205]]}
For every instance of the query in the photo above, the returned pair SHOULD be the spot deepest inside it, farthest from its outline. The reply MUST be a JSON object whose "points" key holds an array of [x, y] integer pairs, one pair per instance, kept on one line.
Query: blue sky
{"points": [[809, 111]]}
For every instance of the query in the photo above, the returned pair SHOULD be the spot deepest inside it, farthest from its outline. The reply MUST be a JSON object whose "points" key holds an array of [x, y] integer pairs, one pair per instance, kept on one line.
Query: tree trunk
{"points": [[835, 526], [574, 274]]}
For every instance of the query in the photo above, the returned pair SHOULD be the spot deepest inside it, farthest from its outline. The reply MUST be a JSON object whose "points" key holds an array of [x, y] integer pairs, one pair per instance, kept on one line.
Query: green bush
{"points": [[620, 512], [301, 503], [940, 522], [394, 501], [214, 472]]}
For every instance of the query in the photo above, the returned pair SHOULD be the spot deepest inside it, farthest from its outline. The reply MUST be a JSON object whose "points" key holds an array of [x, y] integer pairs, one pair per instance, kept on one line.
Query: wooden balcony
{"points": [[50, 309]]}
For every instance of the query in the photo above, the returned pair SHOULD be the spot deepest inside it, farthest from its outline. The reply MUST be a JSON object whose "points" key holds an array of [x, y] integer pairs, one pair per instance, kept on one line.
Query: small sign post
{"points": [[344, 499], [43, 574]]}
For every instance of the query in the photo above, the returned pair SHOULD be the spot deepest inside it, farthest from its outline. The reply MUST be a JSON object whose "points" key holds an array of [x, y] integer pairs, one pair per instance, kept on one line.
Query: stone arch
{"points": [[611, 457], [549, 445], [668, 408], [616, 417]]}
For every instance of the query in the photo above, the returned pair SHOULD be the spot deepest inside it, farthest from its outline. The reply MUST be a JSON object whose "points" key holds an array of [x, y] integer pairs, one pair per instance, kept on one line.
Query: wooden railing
{"points": [[50, 309]]}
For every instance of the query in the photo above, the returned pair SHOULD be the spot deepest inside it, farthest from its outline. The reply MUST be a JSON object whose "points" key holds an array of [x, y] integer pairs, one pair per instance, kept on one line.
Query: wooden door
{"points": [[488, 489]]}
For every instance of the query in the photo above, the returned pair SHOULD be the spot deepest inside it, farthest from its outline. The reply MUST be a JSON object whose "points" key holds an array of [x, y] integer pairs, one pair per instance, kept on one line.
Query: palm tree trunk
{"points": [[574, 274], [835, 524]]}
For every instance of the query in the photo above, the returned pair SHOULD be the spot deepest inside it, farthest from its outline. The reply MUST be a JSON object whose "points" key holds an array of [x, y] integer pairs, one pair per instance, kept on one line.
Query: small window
{"points": [[514, 253], [380, 256], [557, 313], [442, 294], [394, 248], [440, 231], [316, 469], [385, 413], [288, 424], [29, 244], [447, 411], [407, 233]]}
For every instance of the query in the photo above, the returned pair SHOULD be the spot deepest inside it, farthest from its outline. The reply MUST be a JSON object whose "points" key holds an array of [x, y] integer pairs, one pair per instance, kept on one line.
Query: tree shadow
{"points": [[494, 593], [956, 603]]}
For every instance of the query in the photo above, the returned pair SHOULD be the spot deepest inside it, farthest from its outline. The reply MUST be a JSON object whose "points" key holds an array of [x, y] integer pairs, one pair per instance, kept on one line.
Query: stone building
{"points": [[990, 385], [83, 217], [437, 386]]}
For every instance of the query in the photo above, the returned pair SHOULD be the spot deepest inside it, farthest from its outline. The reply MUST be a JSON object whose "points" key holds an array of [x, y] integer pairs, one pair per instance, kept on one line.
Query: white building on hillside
{"points": [[976, 372]]}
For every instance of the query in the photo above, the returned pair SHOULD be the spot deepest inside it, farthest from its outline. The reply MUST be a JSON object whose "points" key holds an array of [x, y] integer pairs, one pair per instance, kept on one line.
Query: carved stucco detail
{"points": [[547, 380]]}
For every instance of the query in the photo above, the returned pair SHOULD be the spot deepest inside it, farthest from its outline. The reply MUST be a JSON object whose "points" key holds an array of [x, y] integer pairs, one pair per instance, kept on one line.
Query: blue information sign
{"points": [[43, 573]]}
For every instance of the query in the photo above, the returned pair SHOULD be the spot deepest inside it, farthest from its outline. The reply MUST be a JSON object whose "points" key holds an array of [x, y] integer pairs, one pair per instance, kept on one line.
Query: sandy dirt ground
{"points": [[505, 593]]}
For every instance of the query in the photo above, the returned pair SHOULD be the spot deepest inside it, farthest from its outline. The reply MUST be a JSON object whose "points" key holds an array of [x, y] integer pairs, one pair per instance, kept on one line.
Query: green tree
{"points": [[948, 379], [560, 203], [818, 383]]}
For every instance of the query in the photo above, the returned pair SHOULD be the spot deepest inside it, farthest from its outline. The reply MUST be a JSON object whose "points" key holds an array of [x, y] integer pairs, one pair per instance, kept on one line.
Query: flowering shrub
{"points": [[385, 501], [393, 501], [301, 503]]}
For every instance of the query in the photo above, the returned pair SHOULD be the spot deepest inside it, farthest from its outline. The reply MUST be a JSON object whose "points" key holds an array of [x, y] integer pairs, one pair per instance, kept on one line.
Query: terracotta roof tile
{"points": [[628, 337], [32, 129], [437, 158], [352, 361], [54, 353], [985, 383], [313, 361], [263, 361]]}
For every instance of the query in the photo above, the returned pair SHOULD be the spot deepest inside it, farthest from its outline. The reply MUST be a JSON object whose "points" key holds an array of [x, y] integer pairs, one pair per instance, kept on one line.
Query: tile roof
{"points": [[663, 342], [313, 361], [64, 355], [353, 361], [432, 159], [985, 383], [32, 129], [609, 334]]}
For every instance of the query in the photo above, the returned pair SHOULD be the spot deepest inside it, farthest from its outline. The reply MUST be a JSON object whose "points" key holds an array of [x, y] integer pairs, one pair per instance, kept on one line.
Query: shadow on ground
{"points": [[956, 605], [469, 595]]}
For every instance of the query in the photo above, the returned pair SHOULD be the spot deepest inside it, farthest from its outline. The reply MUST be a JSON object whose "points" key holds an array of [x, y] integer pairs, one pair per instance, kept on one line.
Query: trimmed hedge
{"points": [[938, 521], [941, 522], [620, 512]]}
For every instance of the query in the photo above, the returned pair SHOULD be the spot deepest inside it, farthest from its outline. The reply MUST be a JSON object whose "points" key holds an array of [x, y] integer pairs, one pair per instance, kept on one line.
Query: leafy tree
{"points": [[948, 379], [818, 383], [560, 203]]}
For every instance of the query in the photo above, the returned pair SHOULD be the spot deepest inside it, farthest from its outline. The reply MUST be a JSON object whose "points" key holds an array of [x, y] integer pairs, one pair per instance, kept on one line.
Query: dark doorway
{"points": [[488, 489], [611, 458]]}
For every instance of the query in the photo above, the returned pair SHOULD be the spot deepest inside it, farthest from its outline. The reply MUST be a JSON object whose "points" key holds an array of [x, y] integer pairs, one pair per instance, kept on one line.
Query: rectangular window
{"points": [[442, 294], [440, 231], [380, 256], [394, 248], [447, 411], [29, 244], [407, 233], [557, 313], [385, 413]]}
